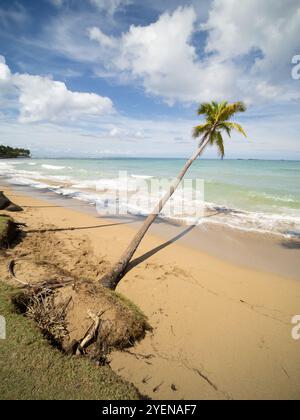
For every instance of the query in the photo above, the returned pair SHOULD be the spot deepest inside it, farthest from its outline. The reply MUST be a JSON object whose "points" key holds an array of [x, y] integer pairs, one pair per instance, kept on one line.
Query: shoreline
{"points": [[262, 251], [249, 205], [220, 330]]}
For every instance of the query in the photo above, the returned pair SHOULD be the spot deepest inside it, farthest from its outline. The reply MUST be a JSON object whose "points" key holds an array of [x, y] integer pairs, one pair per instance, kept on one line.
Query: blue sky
{"points": [[124, 77]]}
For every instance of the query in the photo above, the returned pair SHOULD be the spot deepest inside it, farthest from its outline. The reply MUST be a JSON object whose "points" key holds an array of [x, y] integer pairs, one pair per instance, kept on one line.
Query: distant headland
{"points": [[7, 152]]}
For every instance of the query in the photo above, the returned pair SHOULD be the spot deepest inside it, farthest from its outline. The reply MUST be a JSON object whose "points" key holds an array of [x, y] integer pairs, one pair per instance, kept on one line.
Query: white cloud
{"points": [[5, 74], [162, 56], [163, 137], [95, 34], [110, 6], [272, 34], [244, 58], [43, 99], [115, 132], [57, 3], [16, 14], [126, 132]]}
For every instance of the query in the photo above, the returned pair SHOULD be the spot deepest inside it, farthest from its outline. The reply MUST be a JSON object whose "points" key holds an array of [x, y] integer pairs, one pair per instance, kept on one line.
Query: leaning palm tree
{"points": [[218, 120]]}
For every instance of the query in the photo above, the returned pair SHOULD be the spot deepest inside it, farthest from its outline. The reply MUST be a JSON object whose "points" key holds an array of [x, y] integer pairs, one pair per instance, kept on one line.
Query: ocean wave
{"points": [[28, 182], [53, 167], [141, 176], [277, 198], [102, 193]]}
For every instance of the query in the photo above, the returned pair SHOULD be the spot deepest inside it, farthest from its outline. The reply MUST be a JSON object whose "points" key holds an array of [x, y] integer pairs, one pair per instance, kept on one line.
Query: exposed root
{"points": [[66, 325], [50, 318], [60, 293]]}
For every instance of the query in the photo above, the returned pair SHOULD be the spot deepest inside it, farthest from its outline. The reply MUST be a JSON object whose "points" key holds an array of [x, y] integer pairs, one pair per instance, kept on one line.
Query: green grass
{"points": [[31, 369], [137, 312]]}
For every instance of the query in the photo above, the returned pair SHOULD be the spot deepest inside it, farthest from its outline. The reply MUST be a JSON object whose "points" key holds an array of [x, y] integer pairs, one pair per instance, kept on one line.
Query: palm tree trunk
{"points": [[111, 279]]}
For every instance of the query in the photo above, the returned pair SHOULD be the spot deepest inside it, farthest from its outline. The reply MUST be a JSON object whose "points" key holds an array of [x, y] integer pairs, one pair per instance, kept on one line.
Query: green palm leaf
{"points": [[218, 119], [200, 129], [237, 127], [231, 109], [220, 145]]}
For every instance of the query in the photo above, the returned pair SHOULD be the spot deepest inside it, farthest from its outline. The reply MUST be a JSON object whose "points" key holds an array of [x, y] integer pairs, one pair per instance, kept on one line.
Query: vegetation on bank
{"points": [[7, 152], [8, 231], [3, 228], [31, 369]]}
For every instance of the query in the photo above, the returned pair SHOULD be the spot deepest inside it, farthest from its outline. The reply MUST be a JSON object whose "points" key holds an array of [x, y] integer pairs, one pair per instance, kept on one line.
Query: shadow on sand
{"points": [[77, 228], [149, 254]]}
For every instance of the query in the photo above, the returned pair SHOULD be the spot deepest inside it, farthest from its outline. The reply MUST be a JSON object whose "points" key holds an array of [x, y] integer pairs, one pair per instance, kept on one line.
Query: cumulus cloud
{"points": [[243, 58], [266, 42], [43, 99], [162, 57], [5, 74]]}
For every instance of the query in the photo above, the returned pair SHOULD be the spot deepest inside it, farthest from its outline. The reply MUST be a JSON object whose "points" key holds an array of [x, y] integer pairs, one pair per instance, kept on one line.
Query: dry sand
{"points": [[220, 330]]}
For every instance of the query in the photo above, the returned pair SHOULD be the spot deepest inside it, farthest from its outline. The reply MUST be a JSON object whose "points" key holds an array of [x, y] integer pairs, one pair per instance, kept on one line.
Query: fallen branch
{"points": [[11, 267], [50, 284], [92, 332]]}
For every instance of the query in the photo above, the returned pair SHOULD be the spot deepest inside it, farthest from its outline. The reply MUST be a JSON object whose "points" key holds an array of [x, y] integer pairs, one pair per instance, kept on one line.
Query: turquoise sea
{"points": [[244, 194]]}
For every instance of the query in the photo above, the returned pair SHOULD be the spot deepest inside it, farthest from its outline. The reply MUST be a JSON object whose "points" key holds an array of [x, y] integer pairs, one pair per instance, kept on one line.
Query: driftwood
{"points": [[6, 204], [91, 334]]}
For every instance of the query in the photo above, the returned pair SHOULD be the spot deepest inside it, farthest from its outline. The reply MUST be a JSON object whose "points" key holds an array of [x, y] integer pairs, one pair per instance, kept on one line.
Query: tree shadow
{"points": [[77, 228], [55, 207], [153, 251]]}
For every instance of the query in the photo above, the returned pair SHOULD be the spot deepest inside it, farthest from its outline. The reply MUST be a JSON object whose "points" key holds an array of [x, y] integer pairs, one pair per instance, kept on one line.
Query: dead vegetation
{"points": [[8, 231], [59, 292], [49, 317]]}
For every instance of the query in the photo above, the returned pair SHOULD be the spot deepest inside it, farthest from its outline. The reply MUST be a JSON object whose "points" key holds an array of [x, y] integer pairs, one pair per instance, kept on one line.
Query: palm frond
{"points": [[201, 129], [220, 144], [237, 127], [213, 137], [218, 116], [225, 126], [205, 109], [230, 109]]}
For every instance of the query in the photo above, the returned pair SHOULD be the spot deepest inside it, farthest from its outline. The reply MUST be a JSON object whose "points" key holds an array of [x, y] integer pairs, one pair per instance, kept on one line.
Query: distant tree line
{"points": [[11, 152]]}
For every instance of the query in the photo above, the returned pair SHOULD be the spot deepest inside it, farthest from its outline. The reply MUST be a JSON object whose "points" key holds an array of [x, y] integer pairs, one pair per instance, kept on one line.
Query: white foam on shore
{"points": [[141, 176], [53, 167], [102, 193]]}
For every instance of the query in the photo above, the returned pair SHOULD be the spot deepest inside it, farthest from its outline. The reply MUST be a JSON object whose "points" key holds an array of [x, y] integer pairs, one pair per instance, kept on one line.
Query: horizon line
{"points": [[157, 157]]}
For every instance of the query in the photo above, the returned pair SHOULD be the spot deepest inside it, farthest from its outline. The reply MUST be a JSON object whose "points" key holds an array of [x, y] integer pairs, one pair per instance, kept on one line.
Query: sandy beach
{"points": [[221, 330]]}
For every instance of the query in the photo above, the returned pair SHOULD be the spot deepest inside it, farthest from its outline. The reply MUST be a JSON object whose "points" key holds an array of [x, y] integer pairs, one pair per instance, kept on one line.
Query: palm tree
{"points": [[218, 120]]}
